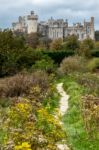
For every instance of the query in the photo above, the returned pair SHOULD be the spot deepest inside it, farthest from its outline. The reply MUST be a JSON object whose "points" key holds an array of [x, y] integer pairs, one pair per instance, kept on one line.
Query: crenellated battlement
{"points": [[54, 28]]}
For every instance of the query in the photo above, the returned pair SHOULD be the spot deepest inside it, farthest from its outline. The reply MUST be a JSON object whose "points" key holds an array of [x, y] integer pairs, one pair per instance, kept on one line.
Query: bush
{"points": [[72, 64], [90, 109], [97, 45], [29, 124], [56, 44], [85, 48], [21, 84], [95, 53], [89, 81], [46, 64], [28, 58], [58, 56], [93, 64], [71, 43], [5, 102], [10, 49]]}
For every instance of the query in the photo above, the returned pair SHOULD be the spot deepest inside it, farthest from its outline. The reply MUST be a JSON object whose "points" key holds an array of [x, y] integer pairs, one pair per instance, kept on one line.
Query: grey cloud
{"points": [[74, 10]]}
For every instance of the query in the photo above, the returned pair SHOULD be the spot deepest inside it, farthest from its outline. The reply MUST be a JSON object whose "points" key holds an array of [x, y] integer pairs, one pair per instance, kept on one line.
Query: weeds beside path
{"points": [[77, 136]]}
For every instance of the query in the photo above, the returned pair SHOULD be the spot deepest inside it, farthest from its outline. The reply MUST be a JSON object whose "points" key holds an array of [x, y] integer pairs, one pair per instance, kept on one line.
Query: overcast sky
{"points": [[73, 10]]}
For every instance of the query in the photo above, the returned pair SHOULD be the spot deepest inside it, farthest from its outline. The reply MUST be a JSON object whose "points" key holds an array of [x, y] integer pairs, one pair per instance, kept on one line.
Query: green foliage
{"points": [[97, 35], [95, 53], [30, 124], [46, 64], [71, 43], [8, 41], [97, 45], [93, 64], [32, 40], [27, 58], [10, 49], [5, 102], [85, 47], [15, 55], [56, 44], [74, 121], [58, 56], [19, 53]]}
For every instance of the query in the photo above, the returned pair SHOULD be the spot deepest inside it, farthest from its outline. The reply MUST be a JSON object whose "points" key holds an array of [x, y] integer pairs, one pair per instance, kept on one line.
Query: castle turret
{"points": [[92, 28], [92, 21], [32, 23], [89, 29]]}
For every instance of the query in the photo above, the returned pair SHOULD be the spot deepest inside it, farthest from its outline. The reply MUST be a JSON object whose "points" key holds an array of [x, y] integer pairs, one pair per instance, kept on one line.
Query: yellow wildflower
{"points": [[23, 146]]}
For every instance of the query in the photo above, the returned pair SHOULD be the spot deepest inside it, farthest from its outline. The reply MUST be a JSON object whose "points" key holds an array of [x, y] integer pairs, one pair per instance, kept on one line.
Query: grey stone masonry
{"points": [[54, 29]]}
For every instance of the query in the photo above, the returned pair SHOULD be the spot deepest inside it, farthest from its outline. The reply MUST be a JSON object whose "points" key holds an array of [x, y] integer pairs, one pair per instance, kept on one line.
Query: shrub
{"points": [[5, 102], [56, 44], [93, 64], [10, 48], [58, 56], [97, 45], [89, 81], [28, 58], [46, 64], [27, 124], [72, 64], [95, 53], [85, 48], [71, 43], [32, 40], [21, 84], [90, 109]]}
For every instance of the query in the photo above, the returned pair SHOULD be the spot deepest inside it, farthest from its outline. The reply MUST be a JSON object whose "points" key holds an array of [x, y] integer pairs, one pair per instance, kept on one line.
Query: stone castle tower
{"points": [[32, 23], [54, 29], [92, 28], [89, 29]]}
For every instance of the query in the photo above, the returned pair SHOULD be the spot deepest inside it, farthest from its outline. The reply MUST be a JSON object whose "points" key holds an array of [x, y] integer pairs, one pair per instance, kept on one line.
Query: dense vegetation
{"points": [[21, 52], [30, 68]]}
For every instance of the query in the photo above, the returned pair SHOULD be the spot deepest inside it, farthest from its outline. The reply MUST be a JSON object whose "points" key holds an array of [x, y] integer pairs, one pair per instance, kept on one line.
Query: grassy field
{"points": [[78, 138]]}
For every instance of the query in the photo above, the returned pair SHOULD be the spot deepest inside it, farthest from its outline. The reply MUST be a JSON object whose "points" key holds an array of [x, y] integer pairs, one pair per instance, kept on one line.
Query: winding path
{"points": [[63, 109]]}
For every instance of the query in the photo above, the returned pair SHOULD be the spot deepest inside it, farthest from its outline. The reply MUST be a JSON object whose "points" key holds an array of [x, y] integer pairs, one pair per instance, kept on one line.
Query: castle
{"points": [[54, 29]]}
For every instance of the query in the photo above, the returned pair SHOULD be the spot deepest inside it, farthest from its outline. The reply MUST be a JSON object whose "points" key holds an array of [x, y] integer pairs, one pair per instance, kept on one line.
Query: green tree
{"points": [[71, 43], [97, 45], [32, 40], [44, 43], [46, 64], [10, 49], [56, 44], [85, 47], [28, 57], [97, 35]]}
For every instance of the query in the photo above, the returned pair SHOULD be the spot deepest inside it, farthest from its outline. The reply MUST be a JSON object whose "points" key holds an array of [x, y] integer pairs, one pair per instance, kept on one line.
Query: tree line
{"points": [[19, 52]]}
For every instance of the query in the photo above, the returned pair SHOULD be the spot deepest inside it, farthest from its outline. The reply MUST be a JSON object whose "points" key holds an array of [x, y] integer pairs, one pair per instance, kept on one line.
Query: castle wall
{"points": [[54, 29], [55, 33], [32, 26]]}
